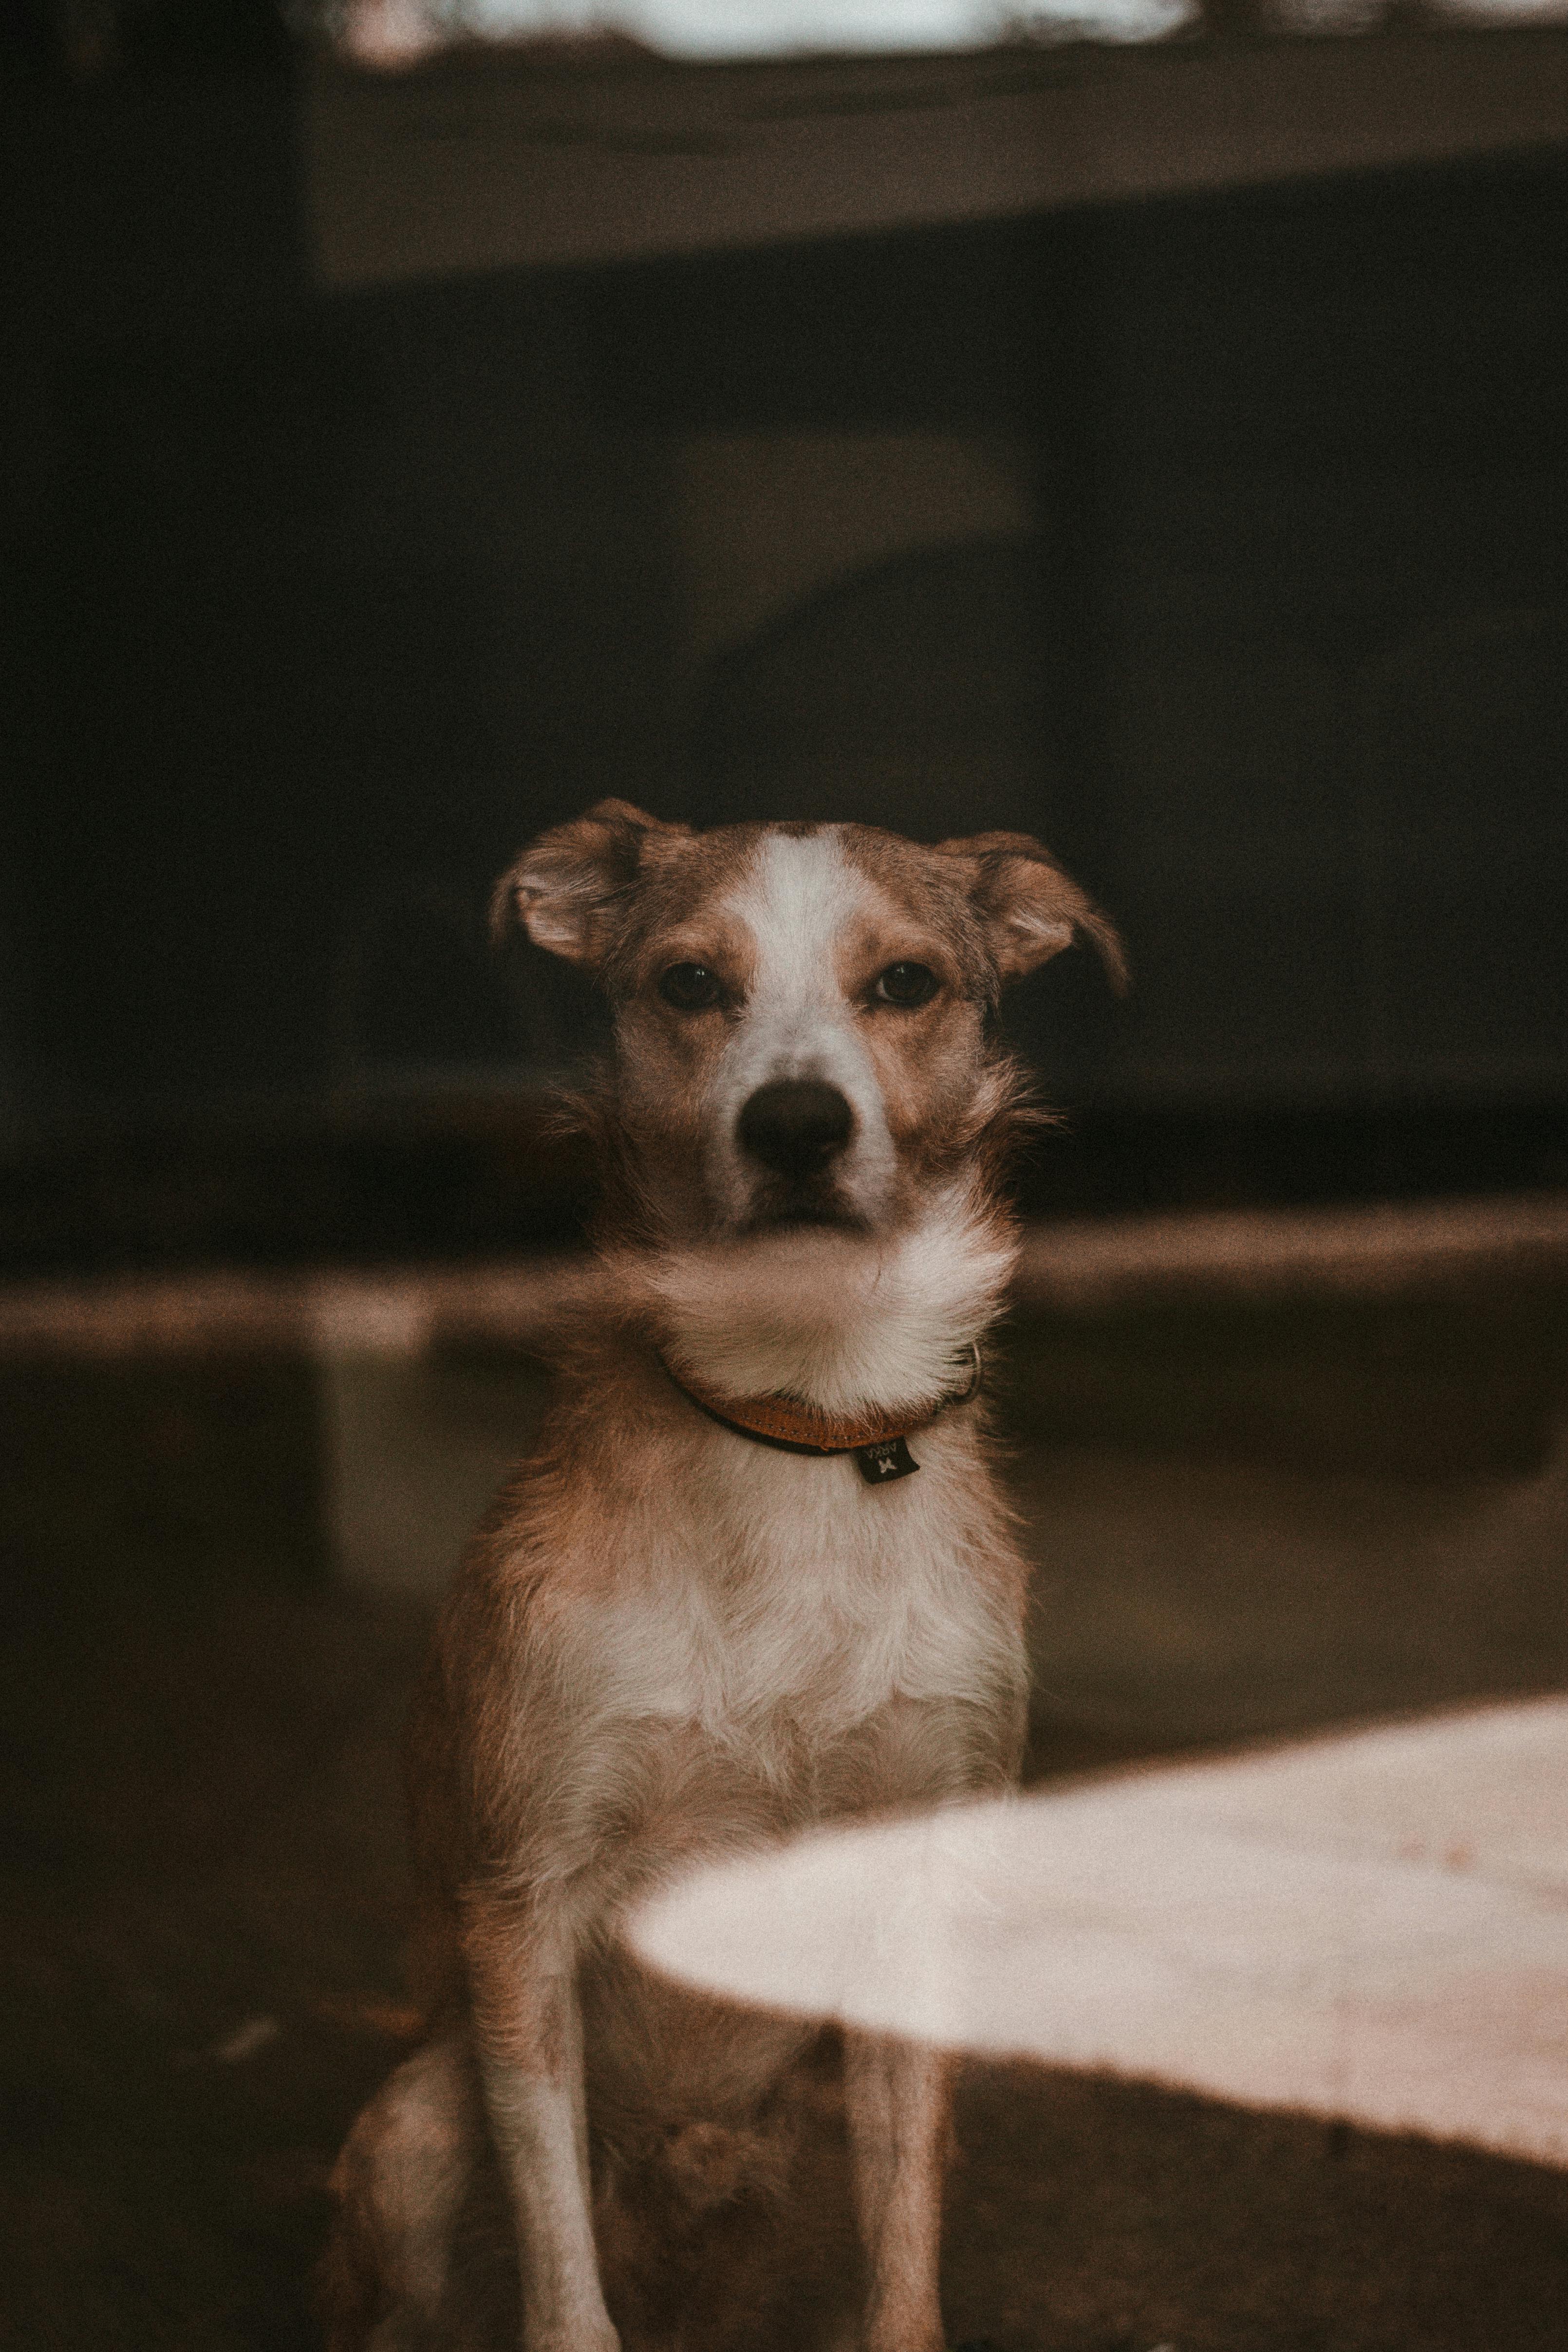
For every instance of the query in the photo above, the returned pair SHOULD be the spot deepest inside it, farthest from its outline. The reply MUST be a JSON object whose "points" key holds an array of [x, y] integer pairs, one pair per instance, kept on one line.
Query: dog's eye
{"points": [[690, 987], [906, 983]]}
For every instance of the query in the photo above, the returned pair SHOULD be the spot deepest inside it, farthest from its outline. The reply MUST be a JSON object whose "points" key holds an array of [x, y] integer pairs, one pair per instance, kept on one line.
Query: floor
{"points": [[1250, 1517]]}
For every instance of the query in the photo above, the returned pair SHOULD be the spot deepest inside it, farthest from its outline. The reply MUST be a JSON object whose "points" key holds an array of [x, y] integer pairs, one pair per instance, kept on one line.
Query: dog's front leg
{"points": [[529, 2031], [896, 2094]]}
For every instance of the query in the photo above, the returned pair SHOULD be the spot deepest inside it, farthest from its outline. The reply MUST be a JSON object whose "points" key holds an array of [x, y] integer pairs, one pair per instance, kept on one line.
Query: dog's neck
{"points": [[849, 1323]]}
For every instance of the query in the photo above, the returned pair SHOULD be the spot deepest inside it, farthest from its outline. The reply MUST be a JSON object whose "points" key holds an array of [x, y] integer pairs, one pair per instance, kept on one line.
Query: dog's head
{"points": [[802, 1013]]}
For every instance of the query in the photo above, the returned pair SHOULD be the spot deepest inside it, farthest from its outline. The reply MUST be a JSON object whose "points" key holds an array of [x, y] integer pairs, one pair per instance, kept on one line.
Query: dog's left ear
{"points": [[1030, 910], [567, 887]]}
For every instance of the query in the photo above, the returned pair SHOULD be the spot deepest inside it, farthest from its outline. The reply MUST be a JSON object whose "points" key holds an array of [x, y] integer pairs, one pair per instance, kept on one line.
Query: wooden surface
{"points": [[522, 165]]}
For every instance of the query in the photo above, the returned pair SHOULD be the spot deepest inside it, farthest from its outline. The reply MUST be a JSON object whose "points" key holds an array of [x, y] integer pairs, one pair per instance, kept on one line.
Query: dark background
{"points": [[318, 603], [1221, 541]]}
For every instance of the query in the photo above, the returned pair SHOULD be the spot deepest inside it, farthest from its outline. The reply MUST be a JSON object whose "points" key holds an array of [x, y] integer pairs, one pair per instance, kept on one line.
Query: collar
{"points": [[794, 1427]]}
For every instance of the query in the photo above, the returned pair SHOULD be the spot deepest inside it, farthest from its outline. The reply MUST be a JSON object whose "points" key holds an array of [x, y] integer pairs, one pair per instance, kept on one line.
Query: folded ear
{"points": [[1031, 911], [568, 887]]}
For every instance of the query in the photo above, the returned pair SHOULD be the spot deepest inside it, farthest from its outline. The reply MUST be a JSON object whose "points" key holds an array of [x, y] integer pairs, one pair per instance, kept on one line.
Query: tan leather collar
{"points": [[797, 1427]]}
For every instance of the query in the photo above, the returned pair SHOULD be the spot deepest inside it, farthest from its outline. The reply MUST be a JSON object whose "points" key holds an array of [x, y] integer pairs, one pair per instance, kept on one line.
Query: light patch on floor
{"points": [[1371, 1928]]}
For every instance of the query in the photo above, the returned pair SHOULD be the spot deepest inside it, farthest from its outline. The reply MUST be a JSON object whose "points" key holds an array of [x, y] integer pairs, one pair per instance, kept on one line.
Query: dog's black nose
{"points": [[795, 1126]]}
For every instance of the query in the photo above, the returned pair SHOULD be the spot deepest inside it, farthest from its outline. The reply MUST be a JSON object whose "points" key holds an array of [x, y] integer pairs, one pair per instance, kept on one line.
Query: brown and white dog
{"points": [[714, 1607]]}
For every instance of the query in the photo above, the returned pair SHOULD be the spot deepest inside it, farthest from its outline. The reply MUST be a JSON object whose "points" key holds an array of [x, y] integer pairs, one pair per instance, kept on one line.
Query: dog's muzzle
{"points": [[796, 1128]]}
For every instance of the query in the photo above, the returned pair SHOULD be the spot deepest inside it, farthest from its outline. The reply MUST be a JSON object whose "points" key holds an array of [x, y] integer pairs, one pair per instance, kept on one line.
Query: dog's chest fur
{"points": [[791, 1604], [769, 1602]]}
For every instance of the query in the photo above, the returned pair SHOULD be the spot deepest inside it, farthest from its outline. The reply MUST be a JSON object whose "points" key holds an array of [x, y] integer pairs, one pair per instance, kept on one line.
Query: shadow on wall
{"points": [[914, 695]]}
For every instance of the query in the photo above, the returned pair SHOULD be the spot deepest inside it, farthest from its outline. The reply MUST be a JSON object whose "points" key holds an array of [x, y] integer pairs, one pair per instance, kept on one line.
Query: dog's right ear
{"points": [[565, 889], [1030, 910]]}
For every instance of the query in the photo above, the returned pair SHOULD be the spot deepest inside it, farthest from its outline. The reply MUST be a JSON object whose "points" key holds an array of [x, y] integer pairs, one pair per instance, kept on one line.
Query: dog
{"points": [[757, 1576]]}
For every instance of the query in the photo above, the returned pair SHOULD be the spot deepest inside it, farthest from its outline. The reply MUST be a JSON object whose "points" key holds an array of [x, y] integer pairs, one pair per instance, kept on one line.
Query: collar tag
{"points": [[889, 1459]]}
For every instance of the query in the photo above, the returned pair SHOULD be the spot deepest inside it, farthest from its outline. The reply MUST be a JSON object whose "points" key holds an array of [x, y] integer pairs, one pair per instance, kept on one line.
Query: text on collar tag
{"points": [[889, 1459]]}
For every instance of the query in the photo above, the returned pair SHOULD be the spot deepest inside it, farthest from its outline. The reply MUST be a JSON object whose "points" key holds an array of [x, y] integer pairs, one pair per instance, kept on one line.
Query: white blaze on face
{"points": [[798, 900]]}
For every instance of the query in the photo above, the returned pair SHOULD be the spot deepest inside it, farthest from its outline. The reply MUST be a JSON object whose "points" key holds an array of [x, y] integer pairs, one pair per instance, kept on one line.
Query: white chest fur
{"points": [[791, 1594], [768, 1598]]}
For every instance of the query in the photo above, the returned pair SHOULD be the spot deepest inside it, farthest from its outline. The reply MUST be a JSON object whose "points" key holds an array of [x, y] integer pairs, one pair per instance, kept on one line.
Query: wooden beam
{"points": [[508, 165]]}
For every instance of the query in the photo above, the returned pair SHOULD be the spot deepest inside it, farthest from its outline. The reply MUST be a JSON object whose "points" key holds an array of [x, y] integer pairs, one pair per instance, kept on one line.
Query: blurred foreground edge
{"points": [[1077, 1265]]}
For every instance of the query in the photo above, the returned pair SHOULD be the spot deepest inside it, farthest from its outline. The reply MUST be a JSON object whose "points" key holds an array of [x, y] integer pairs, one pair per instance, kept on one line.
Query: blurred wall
{"points": [[315, 607]]}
